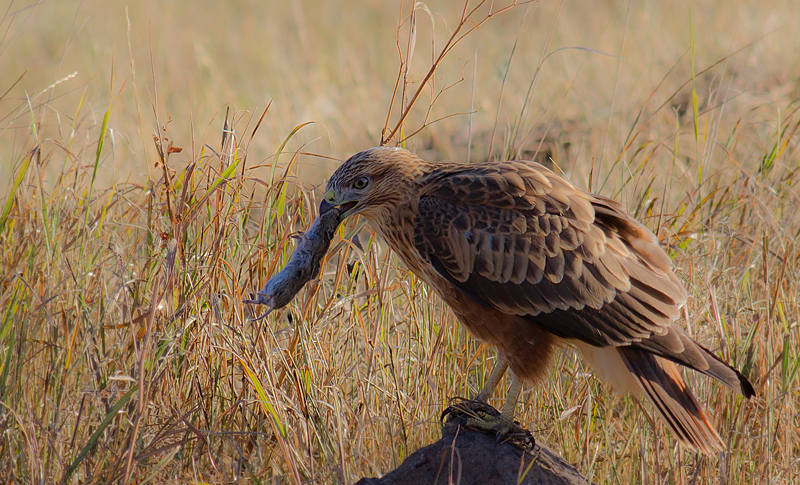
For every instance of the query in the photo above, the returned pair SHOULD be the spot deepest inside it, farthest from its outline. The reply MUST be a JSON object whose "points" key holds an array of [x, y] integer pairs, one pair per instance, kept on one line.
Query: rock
{"points": [[464, 456]]}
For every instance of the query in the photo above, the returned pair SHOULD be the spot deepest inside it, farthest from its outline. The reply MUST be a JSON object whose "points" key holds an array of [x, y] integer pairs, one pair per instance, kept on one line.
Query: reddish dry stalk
{"points": [[454, 39]]}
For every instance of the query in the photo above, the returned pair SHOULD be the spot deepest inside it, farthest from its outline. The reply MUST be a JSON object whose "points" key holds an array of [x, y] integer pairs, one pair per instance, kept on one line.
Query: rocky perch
{"points": [[465, 456]]}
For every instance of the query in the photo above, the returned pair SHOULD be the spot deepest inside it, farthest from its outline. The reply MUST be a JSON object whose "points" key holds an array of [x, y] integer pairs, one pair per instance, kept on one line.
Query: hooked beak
{"points": [[329, 202]]}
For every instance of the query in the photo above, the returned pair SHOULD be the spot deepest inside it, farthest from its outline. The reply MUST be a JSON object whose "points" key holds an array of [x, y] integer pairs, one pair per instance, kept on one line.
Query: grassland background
{"points": [[122, 275]]}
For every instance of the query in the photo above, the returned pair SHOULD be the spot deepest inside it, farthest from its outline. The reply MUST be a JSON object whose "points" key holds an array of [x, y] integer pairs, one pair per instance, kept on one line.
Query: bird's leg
{"points": [[492, 381], [510, 406]]}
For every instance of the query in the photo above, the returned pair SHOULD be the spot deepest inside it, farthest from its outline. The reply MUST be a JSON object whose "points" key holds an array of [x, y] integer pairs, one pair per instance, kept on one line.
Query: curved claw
{"points": [[470, 407]]}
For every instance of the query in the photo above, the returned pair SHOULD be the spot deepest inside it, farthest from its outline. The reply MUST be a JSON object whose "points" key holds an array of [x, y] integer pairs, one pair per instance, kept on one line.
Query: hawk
{"points": [[529, 263]]}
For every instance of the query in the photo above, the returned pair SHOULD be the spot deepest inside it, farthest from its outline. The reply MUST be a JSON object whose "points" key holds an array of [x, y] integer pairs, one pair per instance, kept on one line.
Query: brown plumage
{"points": [[529, 262]]}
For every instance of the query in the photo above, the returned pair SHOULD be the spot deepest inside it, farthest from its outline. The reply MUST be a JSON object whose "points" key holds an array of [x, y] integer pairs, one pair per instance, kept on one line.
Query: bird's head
{"points": [[371, 181]]}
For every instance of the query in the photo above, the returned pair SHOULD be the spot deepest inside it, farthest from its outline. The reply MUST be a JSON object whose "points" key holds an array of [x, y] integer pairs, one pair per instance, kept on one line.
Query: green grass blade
{"points": [[10, 199], [96, 436], [8, 326]]}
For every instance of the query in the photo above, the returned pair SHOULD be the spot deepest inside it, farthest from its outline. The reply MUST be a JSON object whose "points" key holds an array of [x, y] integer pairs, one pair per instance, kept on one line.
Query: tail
{"points": [[664, 387], [642, 373]]}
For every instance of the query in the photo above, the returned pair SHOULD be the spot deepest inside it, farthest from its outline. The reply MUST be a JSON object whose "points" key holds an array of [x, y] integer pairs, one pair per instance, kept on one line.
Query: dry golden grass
{"points": [[125, 349]]}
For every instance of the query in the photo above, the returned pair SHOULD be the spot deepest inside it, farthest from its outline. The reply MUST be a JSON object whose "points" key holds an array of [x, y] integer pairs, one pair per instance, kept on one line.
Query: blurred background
{"points": [[336, 62]]}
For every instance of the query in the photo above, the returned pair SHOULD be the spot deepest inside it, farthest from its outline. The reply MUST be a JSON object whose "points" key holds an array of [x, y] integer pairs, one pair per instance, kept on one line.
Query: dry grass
{"points": [[125, 350]]}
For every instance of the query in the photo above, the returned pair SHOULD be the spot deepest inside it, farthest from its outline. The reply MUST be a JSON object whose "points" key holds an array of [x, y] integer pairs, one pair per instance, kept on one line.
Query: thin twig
{"points": [[454, 39]]}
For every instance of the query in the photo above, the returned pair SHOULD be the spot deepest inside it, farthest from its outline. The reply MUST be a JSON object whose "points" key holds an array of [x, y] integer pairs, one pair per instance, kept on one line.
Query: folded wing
{"points": [[520, 239]]}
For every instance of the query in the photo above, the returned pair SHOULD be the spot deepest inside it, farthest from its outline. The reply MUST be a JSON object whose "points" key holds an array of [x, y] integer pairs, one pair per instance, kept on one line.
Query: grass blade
{"points": [[96, 435]]}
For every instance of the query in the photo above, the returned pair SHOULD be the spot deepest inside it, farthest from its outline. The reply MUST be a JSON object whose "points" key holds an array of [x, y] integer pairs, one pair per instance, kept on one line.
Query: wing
{"points": [[517, 237]]}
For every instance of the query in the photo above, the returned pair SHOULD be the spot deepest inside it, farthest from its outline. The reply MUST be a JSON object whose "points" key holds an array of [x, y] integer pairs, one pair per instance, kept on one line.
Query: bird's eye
{"points": [[361, 182]]}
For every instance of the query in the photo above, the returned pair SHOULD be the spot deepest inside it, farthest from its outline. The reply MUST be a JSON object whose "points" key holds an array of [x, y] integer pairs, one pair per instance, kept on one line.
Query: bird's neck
{"points": [[395, 225]]}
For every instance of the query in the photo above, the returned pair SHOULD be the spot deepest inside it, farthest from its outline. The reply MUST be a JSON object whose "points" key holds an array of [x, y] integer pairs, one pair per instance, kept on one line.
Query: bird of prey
{"points": [[529, 263]]}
